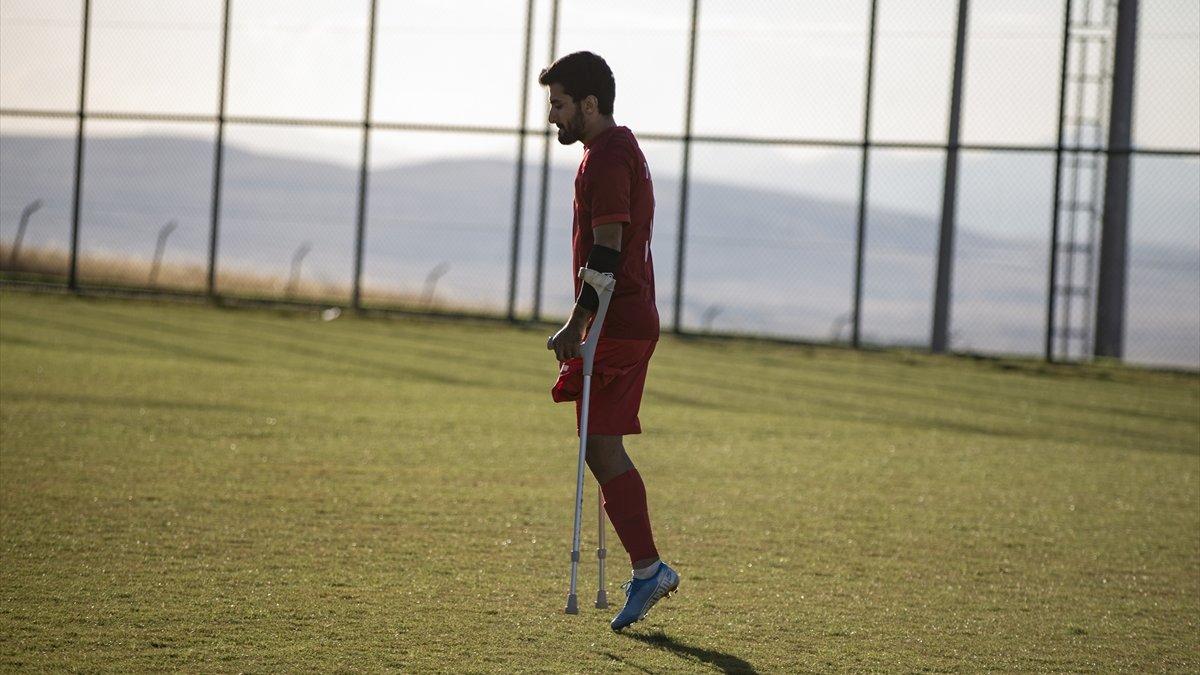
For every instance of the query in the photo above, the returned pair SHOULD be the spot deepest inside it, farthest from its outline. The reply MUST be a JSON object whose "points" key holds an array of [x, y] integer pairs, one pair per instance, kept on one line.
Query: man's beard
{"points": [[573, 131]]}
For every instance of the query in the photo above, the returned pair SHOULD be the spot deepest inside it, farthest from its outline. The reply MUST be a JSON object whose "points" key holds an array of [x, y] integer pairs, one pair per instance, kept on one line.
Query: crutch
{"points": [[603, 283], [601, 552]]}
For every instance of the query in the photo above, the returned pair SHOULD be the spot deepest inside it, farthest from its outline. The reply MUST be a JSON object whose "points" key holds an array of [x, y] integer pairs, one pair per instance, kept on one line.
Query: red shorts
{"points": [[618, 377]]}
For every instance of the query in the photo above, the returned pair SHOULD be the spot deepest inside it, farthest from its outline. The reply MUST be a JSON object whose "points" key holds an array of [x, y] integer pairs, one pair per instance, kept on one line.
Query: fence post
{"points": [[1058, 153], [540, 249], [364, 165], [28, 211], [218, 159], [519, 196], [860, 241], [1114, 233], [73, 275], [681, 241], [941, 302]]}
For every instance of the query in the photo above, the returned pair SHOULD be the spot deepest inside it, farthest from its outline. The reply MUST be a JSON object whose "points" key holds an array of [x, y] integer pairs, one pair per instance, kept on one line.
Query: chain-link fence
{"points": [[394, 154]]}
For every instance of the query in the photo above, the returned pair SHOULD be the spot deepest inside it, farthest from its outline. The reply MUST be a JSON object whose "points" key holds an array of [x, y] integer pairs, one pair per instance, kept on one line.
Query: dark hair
{"points": [[583, 74]]}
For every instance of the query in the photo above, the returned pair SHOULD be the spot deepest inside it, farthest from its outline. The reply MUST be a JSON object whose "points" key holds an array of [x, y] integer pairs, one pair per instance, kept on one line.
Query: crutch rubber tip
{"points": [[572, 604], [601, 599]]}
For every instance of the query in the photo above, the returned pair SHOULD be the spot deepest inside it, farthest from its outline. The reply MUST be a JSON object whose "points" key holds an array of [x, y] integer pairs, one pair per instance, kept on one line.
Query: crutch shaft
{"points": [[603, 283], [572, 598], [601, 552]]}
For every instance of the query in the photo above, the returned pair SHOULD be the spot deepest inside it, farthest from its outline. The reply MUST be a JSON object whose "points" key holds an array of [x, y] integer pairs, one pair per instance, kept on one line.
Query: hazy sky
{"points": [[763, 68]]}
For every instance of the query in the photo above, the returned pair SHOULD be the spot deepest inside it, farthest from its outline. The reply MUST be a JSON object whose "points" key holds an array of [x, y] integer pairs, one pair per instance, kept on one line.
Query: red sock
{"points": [[625, 503]]}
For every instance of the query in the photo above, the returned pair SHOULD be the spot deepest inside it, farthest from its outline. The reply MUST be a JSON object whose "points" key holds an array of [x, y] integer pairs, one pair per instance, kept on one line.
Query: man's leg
{"points": [[614, 410], [624, 498], [625, 503]]}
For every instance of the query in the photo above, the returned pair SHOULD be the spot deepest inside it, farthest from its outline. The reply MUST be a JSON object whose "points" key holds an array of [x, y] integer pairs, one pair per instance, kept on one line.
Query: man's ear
{"points": [[591, 103]]}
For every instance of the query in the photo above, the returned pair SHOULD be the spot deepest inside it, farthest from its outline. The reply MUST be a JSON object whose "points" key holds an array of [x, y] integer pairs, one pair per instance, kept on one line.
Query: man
{"points": [[614, 218]]}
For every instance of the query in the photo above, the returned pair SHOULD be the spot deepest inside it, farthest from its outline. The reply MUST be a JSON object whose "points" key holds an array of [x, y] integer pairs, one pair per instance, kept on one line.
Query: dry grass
{"points": [[108, 270]]}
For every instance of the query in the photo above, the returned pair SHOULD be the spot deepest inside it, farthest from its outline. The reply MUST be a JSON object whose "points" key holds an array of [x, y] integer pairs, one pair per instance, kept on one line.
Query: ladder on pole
{"points": [[1081, 200]]}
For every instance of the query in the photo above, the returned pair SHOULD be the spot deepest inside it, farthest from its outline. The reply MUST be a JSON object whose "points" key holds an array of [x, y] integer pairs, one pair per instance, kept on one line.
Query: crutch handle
{"points": [[604, 285], [601, 281]]}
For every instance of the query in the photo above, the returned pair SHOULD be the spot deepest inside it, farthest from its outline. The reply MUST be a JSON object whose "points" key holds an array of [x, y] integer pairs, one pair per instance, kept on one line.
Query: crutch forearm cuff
{"points": [[601, 259]]}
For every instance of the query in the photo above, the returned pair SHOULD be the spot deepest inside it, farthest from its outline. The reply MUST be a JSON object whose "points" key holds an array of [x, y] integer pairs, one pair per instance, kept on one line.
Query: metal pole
{"points": [[1058, 153], [681, 241], [297, 260], [573, 597], [1094, 216], [604, 289], [24, 223], [1068, 309], [160, 248], [601, 552], [73, 275], [856, 327], [519, 196], [1110, 303], [941, 301], [540, 249], [218, 158], [364, 165]]}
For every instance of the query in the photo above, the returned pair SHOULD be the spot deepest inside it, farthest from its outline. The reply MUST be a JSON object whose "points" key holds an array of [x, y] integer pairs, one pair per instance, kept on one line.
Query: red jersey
{"points": [[613, 185]]}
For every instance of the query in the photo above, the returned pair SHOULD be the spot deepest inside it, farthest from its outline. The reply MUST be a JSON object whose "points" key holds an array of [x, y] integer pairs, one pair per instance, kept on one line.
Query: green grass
{"points": [[244, 490]]}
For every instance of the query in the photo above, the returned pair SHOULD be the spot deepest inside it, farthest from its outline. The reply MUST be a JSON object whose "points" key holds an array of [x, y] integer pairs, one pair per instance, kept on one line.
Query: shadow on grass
{"points": [[121, 336], [726, 663], [316, 352]]}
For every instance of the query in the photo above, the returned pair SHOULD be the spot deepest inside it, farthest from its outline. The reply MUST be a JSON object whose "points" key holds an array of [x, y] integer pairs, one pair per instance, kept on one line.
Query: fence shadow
{"points": [[726, 663]]}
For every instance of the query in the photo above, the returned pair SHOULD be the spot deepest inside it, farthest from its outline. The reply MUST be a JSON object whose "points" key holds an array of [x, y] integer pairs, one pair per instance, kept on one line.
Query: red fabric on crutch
{"points": [[614, 358], [618, 380]]}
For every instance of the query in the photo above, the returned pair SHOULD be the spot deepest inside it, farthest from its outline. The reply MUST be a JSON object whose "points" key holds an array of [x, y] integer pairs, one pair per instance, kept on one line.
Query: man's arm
{"points": [[565, 342], [608, 234]]}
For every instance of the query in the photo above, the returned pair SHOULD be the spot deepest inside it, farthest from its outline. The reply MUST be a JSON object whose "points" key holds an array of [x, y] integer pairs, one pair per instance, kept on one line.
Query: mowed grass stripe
{"points": [[930, 394], [187, 487]]}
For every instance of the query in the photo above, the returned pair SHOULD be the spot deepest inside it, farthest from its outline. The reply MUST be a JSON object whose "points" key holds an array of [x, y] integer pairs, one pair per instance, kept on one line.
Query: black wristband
{"points": [[602, 259]]}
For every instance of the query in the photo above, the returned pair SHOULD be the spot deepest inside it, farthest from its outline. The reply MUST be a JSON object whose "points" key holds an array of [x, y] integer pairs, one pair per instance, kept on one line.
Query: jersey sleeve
{"points": [[609, 184]]}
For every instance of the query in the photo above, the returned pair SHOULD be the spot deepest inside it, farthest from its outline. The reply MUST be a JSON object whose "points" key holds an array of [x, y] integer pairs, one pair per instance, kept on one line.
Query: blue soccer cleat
{"points": [[641, 594]]}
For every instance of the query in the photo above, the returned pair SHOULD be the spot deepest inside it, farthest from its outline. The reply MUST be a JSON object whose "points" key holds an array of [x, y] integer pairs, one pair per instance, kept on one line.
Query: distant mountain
{"points": [[758, 259]]}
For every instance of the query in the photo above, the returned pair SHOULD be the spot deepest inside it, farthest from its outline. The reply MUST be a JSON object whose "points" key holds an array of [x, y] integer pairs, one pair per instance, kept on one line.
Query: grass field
{"points": [[185, 487]]}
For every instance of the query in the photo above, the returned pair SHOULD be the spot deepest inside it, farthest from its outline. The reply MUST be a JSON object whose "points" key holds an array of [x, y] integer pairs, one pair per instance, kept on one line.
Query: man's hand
{"points": [[565, 343]]}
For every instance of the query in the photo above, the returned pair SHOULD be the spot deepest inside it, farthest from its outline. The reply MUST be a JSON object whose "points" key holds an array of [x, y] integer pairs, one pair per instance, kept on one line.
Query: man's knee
{"points": [[606, 456]]}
